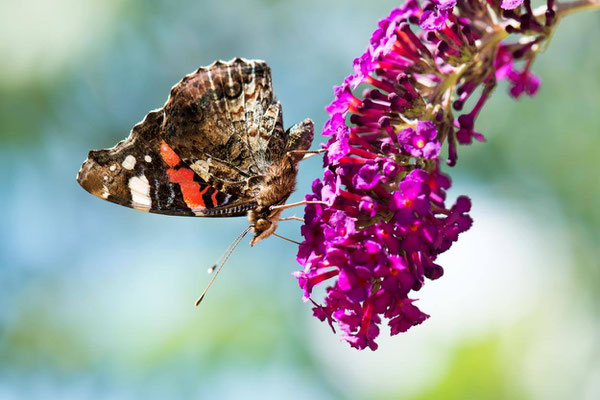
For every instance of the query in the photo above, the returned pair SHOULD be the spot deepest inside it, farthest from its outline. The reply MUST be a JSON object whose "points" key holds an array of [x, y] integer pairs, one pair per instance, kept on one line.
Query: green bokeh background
{"points": [[96, 301]]}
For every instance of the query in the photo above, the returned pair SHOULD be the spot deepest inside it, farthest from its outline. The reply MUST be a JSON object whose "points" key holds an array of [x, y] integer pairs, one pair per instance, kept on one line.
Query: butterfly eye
{"points": [[263, 224]]}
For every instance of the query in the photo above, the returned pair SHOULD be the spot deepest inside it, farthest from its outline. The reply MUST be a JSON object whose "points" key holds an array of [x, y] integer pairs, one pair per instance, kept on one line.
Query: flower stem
{"points": [[564, 9]]}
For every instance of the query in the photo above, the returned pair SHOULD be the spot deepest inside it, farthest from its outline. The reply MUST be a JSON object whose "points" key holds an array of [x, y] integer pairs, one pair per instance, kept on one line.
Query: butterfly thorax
{"points": [[278, 185]]}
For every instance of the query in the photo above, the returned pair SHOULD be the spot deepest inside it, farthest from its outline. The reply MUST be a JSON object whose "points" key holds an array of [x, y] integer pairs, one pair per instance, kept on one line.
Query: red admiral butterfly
{"points": [[216, 149]]}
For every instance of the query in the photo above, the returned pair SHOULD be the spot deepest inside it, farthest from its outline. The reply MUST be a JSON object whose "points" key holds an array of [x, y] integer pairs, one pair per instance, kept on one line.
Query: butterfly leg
{"points": [[288, 239], [299, 203], [299, 139], [306, 153], [291, 219]]}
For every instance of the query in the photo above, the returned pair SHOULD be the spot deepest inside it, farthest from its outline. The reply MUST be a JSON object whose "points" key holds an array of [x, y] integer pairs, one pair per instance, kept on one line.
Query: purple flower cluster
{"points": [[379, 231], [377, 221]]}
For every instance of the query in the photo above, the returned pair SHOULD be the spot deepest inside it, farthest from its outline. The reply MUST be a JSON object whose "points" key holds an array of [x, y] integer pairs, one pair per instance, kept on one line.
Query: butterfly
{"points": [[217, 148]]}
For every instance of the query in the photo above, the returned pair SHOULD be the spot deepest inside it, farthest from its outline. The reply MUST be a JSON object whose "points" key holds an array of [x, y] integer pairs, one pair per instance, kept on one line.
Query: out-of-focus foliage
{"points": [[97, 300]]}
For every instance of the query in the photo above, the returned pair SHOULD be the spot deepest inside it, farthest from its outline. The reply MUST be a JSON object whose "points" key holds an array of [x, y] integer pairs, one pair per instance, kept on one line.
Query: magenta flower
{"points": [[435, 14], [378, 218], [522, 82], [420, 143], [367, 176], [511, 4]]}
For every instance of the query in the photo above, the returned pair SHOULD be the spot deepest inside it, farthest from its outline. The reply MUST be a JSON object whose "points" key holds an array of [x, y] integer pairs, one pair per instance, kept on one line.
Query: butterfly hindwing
{"points": [[143, 172]]}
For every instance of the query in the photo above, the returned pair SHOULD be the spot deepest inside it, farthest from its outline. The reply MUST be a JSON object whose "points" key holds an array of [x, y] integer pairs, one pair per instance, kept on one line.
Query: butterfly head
{"points": [[263, 223]]}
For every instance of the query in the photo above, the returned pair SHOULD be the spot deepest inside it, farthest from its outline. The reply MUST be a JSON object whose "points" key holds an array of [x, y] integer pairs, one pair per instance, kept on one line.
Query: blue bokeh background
{"points": [[96, 300]]}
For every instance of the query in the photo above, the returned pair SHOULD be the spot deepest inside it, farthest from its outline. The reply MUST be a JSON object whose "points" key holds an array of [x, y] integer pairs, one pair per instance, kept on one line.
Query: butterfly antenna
{"points": [[222, 260], [228, 250]]}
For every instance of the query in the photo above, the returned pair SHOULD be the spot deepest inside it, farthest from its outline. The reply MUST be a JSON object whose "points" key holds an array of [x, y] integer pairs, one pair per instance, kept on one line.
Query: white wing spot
{"points": [[112, 167], [147, 158], [140, 191], [128, 162], [105, 177]]}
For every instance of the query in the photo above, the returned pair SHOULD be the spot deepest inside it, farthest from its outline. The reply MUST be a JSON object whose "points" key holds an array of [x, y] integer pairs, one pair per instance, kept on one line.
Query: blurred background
{"points": [[96, 300]]}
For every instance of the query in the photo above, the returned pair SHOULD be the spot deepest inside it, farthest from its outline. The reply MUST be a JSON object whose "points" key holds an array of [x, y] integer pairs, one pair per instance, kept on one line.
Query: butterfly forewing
{"points": [[143, 172]]}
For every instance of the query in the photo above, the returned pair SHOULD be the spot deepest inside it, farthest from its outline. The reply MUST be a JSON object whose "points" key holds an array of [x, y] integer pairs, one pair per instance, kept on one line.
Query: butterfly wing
{"points": [[214, 149], [144, 173], [224, 123]]}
